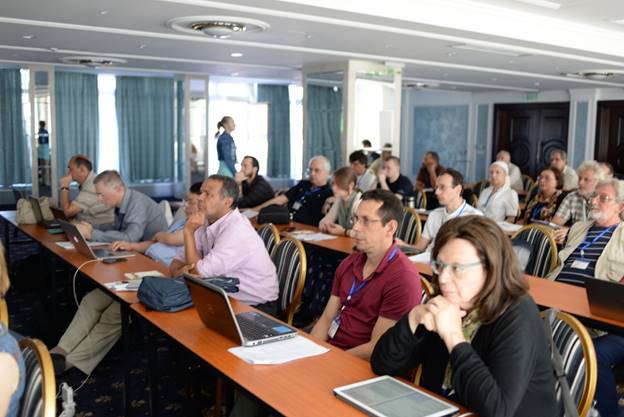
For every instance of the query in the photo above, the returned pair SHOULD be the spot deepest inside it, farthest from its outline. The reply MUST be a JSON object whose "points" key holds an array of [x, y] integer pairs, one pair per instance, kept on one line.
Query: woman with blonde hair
{"points": [[499, 201], [226, 149], [11, 361]]}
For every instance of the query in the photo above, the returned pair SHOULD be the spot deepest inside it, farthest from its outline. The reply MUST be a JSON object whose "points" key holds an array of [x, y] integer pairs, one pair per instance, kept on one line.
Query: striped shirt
{"points": [[581, 263], [574, 207]]}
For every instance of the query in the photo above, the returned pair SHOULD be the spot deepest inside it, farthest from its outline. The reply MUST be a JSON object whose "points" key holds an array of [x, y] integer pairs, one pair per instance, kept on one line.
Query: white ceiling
{"points": [[580, 35]]}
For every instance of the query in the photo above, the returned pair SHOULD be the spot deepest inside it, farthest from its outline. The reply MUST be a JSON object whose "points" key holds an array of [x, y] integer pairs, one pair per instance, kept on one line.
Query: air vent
{"points": [[220, 27], [420, 85], [596, 75], [93, 61]]}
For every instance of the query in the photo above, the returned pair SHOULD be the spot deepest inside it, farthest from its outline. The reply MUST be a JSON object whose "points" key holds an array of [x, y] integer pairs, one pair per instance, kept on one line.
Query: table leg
{"points": [[125, 339]]}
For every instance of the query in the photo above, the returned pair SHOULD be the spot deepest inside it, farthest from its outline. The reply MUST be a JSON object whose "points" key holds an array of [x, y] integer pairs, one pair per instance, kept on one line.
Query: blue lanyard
{"points": [[460, 211], [354, 290], [536, 210], [308, 193], [488, 199], [587, 244]]}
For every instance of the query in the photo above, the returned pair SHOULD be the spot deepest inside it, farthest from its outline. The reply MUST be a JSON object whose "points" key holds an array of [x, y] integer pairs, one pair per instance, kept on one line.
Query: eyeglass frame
{"points": [[355, 219], [456, 269]]}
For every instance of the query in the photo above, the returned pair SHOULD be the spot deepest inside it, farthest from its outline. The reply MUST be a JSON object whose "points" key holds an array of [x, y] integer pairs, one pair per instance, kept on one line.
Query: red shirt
{"points": [[390, 292]]}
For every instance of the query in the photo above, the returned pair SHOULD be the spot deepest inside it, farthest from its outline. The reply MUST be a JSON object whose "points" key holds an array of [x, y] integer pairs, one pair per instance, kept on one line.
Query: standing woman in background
{"points": [[226, 149]]}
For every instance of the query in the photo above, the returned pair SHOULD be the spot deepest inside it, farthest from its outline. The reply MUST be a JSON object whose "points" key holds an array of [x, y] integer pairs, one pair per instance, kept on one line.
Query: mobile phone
{"points": [[56, 231], [114, 260]]}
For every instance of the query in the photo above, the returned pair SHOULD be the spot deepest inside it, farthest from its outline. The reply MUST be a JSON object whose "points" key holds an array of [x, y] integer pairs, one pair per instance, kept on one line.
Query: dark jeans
{"points": [[609, 352]]}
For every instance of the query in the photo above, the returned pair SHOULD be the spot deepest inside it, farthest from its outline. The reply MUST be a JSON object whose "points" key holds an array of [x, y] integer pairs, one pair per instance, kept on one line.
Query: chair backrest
{"points": [[289, 258], [410, 227], [579, 360], [39, 399], [527, 182], [4, 313], [421, 199], [543, 254], [427, 290], [270, 236], [531, 192], [166, 208]]}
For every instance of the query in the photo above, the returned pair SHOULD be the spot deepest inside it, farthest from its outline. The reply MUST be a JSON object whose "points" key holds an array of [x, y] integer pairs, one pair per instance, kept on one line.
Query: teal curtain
{"points": [[14, 149], [181, 161], [278, 164], [77, 122], [324, 124], [145, 116]]}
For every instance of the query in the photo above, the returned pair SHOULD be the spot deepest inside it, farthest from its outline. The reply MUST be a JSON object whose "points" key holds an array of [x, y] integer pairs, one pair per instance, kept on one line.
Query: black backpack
{"points": [[164, 294], [274, 214]]}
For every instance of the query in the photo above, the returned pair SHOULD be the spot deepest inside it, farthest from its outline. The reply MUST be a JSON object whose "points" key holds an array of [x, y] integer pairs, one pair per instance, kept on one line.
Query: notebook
{"points": [[385, 396], [48, 224], [81, 245], [247, 329]]}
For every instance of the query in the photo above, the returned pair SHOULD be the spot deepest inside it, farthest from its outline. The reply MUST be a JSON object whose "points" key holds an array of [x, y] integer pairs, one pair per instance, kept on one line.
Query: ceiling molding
{"points": [[389, 29], [289, 48]]}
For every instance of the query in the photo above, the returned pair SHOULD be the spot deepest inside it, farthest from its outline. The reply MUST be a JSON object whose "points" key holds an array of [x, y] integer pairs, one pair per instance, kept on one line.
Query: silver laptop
{"points": [[36, 207], [248, 329], [81, 245]]}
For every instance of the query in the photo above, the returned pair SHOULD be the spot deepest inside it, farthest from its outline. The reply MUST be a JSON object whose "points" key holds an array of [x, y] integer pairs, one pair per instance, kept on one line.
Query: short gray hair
{"points": [[229, 187], [617, 185], [324, 160], [563, 154], [591, 165], [109, 178]]}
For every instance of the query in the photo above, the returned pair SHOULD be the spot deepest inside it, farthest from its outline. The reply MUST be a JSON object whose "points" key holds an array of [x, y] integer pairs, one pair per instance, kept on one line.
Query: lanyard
{"points": [[587, 244], [308, 193], [489, 198], [460, 211], [354, 290], [536, 211]]}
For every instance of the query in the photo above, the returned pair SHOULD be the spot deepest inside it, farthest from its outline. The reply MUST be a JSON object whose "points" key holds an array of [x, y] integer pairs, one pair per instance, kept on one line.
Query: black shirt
{"points": [[506, 370], [305, 202], [255, 193], [402, 186]]}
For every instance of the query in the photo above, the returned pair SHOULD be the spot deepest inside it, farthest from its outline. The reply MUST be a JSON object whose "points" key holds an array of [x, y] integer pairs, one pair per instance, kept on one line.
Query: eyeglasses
{"points": [[603, 198], [456, 269], [364, 220]]}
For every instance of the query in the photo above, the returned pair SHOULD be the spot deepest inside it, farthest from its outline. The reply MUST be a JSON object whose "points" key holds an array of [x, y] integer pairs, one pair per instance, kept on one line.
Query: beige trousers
{"points": [[94, 330]]}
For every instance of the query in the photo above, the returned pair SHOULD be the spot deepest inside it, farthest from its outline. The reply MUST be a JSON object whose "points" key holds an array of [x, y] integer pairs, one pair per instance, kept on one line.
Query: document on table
{"points": [[309, 235], [250, 214], [68, 245], [274, 353], [423, 258]]}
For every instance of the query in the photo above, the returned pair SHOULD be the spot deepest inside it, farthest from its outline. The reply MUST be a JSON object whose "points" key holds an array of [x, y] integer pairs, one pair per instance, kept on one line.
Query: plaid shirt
{"points": [[575, 207]]}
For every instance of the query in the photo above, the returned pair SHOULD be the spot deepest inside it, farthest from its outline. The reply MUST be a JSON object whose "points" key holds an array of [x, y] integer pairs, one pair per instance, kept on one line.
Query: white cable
{"points": [[74, 279]]}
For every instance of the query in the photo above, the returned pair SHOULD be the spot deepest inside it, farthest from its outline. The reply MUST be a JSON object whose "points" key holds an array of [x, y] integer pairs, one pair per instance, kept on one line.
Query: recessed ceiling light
{"points": [[28, 36], [220, 27], [445, 74], [142, 46], [511, 61], [236, 54], [53, 49], [542, 3], [451, 53], [494, 79], [537, 84], [103, 12], [617, 21], [234, 74], [489, 50]]}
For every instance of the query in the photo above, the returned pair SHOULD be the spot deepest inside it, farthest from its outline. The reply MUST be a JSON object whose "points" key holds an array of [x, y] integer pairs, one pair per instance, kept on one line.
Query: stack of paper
{"points": [[509, 227], [274, 353], [309, 235]]}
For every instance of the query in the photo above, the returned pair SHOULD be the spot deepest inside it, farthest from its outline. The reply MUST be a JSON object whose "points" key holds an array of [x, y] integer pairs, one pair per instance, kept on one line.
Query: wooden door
{"points": [[610, 135], [530, 132]]}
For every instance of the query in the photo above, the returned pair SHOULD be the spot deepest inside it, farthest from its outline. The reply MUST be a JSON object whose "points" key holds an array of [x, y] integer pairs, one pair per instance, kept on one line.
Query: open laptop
{"points": [[81, 245], [606, 298], [48, 224], [248, 329]]}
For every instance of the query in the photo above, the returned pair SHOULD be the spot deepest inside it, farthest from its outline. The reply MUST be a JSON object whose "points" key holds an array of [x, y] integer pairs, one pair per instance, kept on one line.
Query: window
{"points": [[108, 148]]}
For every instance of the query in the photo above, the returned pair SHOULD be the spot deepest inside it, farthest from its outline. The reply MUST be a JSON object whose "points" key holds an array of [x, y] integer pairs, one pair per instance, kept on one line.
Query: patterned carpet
{"points": [[101, 394]]}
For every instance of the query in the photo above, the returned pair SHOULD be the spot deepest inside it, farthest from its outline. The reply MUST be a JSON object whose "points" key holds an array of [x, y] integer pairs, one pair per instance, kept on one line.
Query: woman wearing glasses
{"points": [[480, 339], [338, 220]]}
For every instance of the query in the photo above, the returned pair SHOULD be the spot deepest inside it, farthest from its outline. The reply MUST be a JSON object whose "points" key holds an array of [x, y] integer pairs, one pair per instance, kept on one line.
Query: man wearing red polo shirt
{"points": [[373, 287]]}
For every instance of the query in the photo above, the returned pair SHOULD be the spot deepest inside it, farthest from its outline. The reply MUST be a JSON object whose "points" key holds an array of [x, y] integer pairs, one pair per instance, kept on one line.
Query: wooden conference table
{"points": [[546, 293], [298, 388]]}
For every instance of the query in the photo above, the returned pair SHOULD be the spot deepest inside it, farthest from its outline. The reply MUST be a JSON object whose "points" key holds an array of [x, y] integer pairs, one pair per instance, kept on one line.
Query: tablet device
{"points": [[388, 397]]}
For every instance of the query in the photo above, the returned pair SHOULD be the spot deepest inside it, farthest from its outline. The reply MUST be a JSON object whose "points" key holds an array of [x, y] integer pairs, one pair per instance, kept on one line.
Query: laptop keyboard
{"points": [[251, 330]]}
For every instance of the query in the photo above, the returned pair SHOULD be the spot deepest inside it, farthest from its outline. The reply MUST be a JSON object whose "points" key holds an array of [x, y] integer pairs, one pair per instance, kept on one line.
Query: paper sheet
{"points": [[423, 258], [509, 227], [308, 235], [275, 353], [68, 245]]}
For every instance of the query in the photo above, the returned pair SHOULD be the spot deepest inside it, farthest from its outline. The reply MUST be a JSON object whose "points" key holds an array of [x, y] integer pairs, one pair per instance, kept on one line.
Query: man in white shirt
{"points": [[448, 190], [515, 176], [559, 160], [366, 179]]}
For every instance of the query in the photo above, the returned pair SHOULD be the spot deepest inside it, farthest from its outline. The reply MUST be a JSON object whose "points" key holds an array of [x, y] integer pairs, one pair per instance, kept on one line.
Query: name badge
{"points": [[580, 265], [333, 327], [296, 206]]}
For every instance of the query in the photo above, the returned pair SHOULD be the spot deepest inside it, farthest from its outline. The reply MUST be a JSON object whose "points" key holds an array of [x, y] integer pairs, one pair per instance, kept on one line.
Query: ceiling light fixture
{"points": [[219, 27], [488, 50], [617, 21], [103, 12], [234, 74], [542, 3], [29, 36], [236, 54]]}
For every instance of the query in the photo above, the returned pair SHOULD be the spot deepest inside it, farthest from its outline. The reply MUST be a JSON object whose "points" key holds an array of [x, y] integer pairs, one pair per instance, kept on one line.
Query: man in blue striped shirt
{"points": [[593, 247]]}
